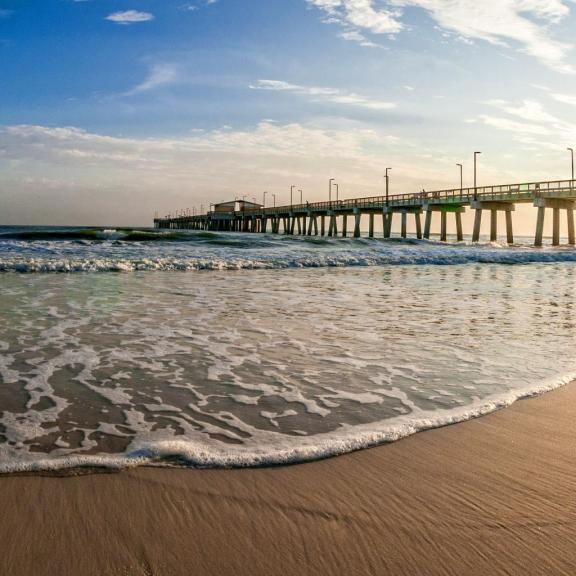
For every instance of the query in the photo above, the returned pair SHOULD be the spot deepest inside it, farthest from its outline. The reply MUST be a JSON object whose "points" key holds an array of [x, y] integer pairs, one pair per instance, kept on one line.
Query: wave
{"points": [[103, 234], [193, 454], [441, 256]]}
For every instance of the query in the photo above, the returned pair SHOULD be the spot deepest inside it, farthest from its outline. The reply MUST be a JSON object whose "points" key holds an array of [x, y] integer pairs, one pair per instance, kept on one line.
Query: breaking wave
{"points": [[285, 451], [405, 256]]}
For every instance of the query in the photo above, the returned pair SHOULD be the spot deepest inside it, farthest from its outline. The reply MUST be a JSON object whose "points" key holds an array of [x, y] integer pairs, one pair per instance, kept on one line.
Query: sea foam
{"points": [[397, 256], [369, 342], [195, 454]]}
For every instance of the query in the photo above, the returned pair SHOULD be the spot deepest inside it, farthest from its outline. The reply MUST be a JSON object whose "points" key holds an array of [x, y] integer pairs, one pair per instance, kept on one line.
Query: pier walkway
{"points": [[332, 218]]}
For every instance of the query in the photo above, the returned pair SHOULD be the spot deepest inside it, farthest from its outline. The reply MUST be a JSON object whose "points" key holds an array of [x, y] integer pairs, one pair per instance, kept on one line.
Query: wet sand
{"points": [[494, 495]]}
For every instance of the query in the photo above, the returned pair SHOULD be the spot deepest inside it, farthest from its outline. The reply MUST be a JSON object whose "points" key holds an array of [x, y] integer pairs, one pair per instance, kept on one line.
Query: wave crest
{"points": [[440, 256]]}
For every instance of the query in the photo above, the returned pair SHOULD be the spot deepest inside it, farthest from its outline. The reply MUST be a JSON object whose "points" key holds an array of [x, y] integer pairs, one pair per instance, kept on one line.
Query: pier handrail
{"points": [[522, 190], [456, 194]]}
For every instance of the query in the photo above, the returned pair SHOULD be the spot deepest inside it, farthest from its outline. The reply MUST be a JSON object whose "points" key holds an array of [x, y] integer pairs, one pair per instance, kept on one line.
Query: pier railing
{"points": [[511, 192], [519, 192]]}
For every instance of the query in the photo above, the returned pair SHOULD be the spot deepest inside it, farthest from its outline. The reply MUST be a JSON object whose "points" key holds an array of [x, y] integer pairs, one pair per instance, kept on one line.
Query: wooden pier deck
{"points": [[332, 218]]}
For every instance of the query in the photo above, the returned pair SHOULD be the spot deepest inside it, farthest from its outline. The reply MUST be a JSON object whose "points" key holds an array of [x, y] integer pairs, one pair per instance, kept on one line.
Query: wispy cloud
{"points": [[130, 17], [564, 98], [159, 75], [523, 23], [322, 94], [530, 124], [194, 6]]}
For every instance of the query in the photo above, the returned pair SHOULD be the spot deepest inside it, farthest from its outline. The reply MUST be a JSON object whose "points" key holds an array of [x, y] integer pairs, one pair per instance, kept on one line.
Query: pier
{"points": [[343, 217]]}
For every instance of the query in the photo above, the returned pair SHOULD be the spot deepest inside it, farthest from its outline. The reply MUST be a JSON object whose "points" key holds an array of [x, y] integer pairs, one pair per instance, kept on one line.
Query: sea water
{"points": [[128, 347]]}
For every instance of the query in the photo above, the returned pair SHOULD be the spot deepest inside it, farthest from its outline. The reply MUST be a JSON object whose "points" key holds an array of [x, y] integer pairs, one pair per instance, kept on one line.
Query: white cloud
{"points": [[130, 17], [531, 124], [520, 128], [360, 15], [158, 76], [124, 180], [194, 6], [42, 143], [564, 98], [322, 94], [525, 23], [528, 110]]}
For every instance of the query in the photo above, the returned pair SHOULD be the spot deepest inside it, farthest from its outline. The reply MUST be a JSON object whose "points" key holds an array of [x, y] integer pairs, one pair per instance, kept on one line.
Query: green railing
{"points": [[509, 192]]}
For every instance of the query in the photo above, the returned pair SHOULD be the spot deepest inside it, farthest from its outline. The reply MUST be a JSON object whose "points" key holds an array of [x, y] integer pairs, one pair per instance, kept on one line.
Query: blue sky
{"points": [[111, 110]]}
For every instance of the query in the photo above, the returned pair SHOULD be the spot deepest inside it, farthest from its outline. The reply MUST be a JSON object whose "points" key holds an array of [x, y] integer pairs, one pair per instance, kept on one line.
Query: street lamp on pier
{"points": [[461, 178], [571, 150], [300, 196], [387, 184], [475, 183], [291, 191], [336, 184], [330, 189], [264, 199]]}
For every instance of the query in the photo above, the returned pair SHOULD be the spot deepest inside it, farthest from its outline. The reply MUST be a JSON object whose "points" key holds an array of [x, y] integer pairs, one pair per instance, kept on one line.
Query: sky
{"points": [[114, 110]]}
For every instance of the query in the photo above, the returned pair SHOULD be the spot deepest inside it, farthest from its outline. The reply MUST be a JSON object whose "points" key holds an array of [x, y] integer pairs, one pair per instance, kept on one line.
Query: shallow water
{"points": [[299, 354]]}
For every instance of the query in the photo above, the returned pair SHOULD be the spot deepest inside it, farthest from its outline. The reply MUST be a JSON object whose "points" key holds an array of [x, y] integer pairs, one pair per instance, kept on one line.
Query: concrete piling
{"points": [[556, 204], [357, 217], [570, 217], [403, 226], [418, 226]]}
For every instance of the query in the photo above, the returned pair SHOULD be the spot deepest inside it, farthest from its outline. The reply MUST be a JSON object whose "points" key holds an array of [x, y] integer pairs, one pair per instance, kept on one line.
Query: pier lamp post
{"points": [[264, 199], [461, 180], [387, 184], [300, 196], [475, 184], [571, 150], [336, 184], [291, 191], [274, 196], [330, 189]]}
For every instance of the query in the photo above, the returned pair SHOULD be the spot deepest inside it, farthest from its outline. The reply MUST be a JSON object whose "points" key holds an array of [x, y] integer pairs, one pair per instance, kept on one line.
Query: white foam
{"points": [[379, 254], [287, 449], [207, 368]]}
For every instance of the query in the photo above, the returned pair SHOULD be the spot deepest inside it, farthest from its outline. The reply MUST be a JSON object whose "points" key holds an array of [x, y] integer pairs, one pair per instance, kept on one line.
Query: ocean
{"points": [[121, 348]]}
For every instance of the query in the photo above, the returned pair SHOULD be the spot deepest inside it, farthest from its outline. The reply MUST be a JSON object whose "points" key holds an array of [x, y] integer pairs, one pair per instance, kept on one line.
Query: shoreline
{"points": [[180, 461], [491, 495]]}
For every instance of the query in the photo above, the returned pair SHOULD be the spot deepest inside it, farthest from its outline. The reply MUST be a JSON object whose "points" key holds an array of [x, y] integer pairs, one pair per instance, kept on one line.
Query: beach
{"points": [[493, 495], [287, 288]]}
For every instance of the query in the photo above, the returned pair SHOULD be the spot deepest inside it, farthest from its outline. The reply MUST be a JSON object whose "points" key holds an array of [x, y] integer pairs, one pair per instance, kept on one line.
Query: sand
{"points": [[494, 495]]}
